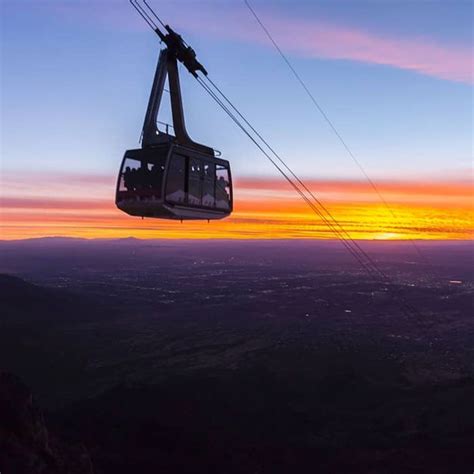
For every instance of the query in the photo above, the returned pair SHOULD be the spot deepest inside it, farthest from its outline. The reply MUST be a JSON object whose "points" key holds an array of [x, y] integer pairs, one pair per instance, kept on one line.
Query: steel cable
{"points": [[336, 132]]}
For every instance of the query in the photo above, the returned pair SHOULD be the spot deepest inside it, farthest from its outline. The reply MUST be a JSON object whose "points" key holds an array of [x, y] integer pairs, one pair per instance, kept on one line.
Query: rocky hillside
{"points": [[26, 444]]}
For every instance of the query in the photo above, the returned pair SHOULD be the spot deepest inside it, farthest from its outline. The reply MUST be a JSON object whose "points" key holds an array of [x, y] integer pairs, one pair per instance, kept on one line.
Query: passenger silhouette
{"points": [[126, 179], [134, 179], [142, 177], [221, 192]]}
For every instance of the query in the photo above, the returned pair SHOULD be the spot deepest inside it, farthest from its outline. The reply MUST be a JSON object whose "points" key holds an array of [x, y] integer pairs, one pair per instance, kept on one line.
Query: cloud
{"points": [[69, 204], [305, 37], [453, 187], [36, 189], [327, 40], [264, 208]]}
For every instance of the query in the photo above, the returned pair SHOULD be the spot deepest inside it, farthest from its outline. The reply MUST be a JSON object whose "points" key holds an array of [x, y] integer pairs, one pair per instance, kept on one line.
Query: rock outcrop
{"points": [[26, 445]]}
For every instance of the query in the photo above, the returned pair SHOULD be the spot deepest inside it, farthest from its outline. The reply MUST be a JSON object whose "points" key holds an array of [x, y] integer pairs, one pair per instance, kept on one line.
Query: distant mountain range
{"points": [[296, 242]]}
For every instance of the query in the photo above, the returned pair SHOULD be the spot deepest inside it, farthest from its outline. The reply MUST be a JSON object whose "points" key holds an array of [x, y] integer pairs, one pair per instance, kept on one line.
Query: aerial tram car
{"points": [[171, 176]]}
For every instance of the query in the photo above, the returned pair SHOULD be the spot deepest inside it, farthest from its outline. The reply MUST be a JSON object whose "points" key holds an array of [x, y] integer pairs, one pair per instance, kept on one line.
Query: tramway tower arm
{"points": [[150, 135], [168, 67]]}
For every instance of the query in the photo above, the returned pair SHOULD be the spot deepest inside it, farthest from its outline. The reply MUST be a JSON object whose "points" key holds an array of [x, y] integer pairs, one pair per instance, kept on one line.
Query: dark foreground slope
{"points": [[223, 359], [26, 444], [256, 421]]}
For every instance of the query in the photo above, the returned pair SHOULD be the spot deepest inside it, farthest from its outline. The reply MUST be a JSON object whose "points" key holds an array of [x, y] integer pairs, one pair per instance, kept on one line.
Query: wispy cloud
{"points": [[305, 37], [328, 40], [264, 208]]}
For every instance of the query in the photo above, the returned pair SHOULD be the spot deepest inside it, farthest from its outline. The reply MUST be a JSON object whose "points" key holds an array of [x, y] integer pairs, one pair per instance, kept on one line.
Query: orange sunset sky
{"points": [[397, 86], [83, 206]]}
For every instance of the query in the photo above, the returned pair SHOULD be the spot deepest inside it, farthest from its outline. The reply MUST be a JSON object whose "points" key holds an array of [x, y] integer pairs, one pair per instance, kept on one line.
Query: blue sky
{"points": [[76, 79]]}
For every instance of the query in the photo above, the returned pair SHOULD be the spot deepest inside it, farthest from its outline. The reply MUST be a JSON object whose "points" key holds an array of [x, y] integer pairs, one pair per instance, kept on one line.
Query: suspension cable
{"points": [[154, 14], [334, 129], [299, 186], [148, 20], [290, 181], [367, 264], [300, 182]]}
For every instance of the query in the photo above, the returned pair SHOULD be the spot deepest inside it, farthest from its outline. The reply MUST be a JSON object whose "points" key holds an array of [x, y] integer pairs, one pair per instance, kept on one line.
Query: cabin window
{"points": [[222, 187], [141, 178], [194, 182], [175, 183], [208, 185]]}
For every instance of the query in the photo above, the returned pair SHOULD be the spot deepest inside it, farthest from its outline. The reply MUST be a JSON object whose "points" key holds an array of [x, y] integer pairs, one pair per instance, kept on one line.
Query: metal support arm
{"points": [[167, 67]]}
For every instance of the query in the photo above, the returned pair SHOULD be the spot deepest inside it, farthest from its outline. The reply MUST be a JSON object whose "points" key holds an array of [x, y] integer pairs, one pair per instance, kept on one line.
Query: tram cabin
{"points": [[171, 181]]}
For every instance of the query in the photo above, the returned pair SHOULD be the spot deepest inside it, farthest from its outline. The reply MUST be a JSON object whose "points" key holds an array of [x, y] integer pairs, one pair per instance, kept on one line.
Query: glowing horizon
{"points": [[396, 84], [264, 209]]}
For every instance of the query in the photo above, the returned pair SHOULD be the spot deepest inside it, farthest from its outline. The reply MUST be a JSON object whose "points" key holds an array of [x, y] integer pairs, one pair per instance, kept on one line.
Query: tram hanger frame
{"points": [[168, 67], [160, 150]]}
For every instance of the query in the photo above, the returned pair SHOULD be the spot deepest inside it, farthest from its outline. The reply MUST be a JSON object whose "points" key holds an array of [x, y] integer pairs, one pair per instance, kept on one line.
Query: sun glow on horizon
{"points": [[388, 236], [264, 209]]}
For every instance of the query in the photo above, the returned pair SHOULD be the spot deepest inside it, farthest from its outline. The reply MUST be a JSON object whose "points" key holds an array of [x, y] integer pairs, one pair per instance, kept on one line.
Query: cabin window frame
{"points": [[188, 156]]}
